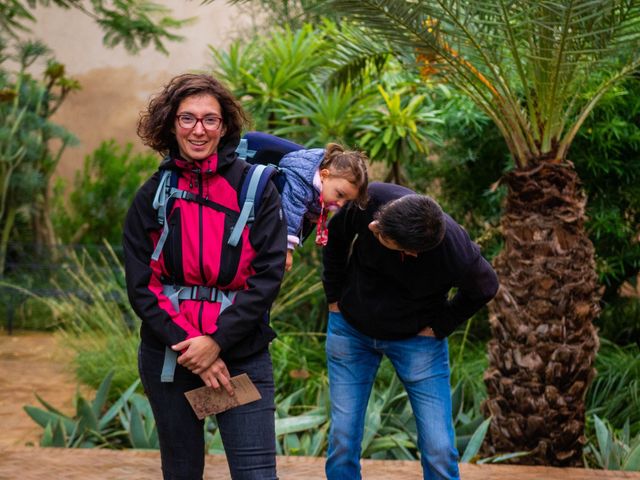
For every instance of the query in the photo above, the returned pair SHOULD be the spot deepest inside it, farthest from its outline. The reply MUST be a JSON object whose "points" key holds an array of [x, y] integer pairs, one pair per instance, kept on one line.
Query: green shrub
{"points": [[611, 449], [619, 321], [614, 394], [125, 423], [102, 193], [607, 157], [95, 320]]}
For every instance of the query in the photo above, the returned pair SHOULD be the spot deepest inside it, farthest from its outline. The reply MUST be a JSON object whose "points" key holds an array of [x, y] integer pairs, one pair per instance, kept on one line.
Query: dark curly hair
{"points": [[155, 126], [415, 222]]}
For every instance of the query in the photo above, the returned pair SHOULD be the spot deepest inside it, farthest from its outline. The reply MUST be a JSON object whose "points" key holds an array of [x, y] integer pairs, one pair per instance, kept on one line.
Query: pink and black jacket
{"points": [[196, 253]]}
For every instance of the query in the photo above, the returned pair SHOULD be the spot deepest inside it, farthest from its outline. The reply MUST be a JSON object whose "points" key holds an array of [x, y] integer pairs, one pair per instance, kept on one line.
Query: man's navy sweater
{"points": [[386, 294]]}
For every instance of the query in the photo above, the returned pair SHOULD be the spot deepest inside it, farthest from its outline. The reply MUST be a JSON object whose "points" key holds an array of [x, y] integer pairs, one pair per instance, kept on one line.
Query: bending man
{"points": [[388, 272]]}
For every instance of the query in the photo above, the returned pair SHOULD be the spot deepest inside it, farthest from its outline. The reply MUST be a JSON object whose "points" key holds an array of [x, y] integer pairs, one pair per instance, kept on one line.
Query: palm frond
{"points": [[356, 55], [524, 63]]}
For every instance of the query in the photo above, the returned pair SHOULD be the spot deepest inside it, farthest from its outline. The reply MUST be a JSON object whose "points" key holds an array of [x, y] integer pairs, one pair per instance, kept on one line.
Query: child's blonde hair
{"points": [[350, 165]]}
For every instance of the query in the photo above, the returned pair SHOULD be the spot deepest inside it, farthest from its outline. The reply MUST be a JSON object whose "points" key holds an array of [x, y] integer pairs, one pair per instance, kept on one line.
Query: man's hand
{"points": [[217, 376], [201, 352], [333, 307], [427, 332]]}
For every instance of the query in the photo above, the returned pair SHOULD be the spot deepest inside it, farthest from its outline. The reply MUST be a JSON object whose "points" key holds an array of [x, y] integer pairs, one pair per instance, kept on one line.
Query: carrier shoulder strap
{"points": [[250, 196], [167, 189]]}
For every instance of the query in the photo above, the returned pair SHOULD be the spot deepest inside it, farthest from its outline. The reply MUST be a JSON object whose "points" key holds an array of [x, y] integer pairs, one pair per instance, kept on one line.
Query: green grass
{"points": [[614, 394]]}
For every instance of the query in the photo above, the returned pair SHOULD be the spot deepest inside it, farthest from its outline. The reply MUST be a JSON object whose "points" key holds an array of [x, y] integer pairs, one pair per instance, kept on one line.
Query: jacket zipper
{"points": [[198, 173], [200, 228]]}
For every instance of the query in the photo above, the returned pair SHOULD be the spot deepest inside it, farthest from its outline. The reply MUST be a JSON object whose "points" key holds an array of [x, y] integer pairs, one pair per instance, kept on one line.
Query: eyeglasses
{"points": [[210, 122]]}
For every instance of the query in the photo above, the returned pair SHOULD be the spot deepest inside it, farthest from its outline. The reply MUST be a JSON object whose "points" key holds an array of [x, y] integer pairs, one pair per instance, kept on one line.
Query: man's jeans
{"points": [[422, 364], [247, 431]]}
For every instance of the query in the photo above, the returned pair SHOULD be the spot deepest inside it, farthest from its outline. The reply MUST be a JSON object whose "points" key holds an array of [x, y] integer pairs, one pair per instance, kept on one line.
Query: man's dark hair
{"points": [[415, 222]]}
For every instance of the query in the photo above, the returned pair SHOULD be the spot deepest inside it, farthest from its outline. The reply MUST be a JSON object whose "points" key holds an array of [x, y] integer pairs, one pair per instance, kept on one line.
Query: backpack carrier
{"points": [[263, 152]]}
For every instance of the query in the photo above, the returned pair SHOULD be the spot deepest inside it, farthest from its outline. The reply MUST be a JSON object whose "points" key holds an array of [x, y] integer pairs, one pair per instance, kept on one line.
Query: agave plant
{"points": [[525, 63], [91, 426], [613, 451]]}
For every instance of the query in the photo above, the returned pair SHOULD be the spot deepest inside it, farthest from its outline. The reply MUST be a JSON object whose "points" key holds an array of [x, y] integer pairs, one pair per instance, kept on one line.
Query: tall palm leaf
{"points": [[525, 64]]}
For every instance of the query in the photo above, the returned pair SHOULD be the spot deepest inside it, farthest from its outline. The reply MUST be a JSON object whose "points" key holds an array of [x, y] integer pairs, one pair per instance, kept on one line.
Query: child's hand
{"points": [[289, 263]]}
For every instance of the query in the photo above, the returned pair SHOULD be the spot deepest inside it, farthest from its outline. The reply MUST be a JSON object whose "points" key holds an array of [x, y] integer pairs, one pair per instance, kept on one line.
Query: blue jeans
{"points": [[422, 364], [247, 431]]}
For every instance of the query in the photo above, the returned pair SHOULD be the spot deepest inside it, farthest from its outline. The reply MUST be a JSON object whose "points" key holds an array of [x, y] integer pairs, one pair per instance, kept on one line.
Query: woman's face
{"points": [[198, 142]]}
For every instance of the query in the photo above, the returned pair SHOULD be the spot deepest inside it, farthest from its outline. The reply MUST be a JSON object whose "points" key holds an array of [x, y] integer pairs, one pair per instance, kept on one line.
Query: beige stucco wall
{"points": [[115, 84]]}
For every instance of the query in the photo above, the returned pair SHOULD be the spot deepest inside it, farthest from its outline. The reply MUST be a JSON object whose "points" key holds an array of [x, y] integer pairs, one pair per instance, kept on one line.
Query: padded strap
{"points": [[175, 294], [160, 198], [168, 365], [160, 201], [166, 192], [173, 193], [243, 150], [250, 194]]}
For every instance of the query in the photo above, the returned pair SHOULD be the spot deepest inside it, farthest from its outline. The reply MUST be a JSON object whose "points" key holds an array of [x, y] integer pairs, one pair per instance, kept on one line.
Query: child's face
{"points": [[336, 191]]}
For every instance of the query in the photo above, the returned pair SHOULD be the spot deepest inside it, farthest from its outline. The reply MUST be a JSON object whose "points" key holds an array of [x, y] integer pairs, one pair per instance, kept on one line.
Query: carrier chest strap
{"points": [[166, 192], [175, 294]]}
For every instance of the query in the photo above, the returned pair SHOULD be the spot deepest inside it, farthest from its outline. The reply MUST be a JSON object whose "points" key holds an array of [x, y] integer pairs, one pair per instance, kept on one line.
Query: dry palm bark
{"points": [[544, 343]]}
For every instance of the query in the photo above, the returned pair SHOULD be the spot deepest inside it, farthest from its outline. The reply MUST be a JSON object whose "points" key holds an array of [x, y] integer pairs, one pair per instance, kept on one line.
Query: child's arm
{"points": [[289, 262]]}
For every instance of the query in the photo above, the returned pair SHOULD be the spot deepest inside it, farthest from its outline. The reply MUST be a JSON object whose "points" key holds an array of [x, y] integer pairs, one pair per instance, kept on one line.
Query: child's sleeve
{"points": [[292, 241], [296, 198]]}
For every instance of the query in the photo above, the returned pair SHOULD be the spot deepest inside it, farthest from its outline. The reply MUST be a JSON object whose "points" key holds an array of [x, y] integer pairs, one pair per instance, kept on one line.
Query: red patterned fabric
{"points": [[322, 233]]}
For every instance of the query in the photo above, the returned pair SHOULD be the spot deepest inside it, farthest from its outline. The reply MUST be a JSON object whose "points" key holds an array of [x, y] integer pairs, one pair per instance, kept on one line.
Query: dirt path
{"points": [[31, 362]]}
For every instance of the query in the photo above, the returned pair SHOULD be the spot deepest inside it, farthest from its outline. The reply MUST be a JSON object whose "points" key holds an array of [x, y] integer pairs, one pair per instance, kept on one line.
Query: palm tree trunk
{"points": [[544, 344]]}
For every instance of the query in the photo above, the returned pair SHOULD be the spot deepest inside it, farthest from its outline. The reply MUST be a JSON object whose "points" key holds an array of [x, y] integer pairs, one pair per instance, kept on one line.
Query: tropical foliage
{"points": [[102, 192], [526, 65], [131, 23], [606, 154], [613, 451], [125, 423], [401, 101], [27, 156], [30, 144], [284, 80]]}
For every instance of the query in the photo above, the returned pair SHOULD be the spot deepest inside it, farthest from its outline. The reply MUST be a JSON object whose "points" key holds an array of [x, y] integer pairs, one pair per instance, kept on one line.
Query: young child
{"points": [[318, 181]]}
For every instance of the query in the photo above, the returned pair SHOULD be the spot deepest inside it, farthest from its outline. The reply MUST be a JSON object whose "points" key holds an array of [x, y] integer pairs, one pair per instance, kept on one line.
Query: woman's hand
{"points": [[200, 353], [217, 375]]}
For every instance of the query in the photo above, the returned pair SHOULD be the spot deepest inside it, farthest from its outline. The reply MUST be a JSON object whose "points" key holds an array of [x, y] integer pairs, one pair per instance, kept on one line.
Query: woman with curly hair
{"points": [[198, 297]]}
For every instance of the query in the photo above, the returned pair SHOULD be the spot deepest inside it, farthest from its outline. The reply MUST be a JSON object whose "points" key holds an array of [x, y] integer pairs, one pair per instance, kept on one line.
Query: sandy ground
{"points": [[30, 363]]}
